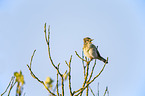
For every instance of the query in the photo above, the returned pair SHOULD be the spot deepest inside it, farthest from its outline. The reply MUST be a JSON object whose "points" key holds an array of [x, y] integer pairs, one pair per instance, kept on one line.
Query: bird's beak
{"points": [[92, 39]]}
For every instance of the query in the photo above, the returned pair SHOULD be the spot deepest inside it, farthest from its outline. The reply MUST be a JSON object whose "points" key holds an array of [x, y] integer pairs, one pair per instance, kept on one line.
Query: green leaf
{"points": [[48, 80], [19, 77], [65, 75]]}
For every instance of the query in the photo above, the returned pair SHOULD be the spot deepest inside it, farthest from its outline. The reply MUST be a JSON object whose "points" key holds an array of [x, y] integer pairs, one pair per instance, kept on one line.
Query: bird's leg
{"points": [[90, 60]]}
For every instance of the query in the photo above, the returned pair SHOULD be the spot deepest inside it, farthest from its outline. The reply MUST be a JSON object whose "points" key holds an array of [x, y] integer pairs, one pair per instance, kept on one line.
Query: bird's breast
{"points": [[86, 52]]}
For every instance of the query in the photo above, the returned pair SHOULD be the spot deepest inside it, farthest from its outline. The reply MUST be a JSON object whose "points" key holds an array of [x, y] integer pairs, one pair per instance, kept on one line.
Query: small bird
{"points": [[91, 51]]}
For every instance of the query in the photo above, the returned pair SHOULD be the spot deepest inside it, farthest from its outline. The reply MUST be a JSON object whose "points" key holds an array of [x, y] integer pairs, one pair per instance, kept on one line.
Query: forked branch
{"points": [[88, 83], [69, 75], [35, 77]]}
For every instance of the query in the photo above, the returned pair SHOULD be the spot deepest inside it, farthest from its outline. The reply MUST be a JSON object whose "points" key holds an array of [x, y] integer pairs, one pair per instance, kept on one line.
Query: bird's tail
{"points": [[102, 59]]}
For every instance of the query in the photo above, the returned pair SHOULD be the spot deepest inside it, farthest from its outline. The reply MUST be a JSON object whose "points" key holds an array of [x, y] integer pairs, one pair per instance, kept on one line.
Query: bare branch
{"points": [[12, 79], [32, 58], [47, 41], [99, 72], [98, 89], [47, 38], [91, 91], [87, 91], [33, 75], [80, 57], [106, 91], [83, 63], [62, 80], [66, 63], [92, 71], [69, 76], [88, 83], [86, 75], [12, 85], [57, 85]]}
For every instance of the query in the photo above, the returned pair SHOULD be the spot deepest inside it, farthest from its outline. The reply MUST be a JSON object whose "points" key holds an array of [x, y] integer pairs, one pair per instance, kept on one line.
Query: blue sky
{"points": [[117, 27]]}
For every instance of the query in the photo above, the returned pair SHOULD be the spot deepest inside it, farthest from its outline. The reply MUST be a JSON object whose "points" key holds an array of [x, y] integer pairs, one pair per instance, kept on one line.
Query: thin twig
{"points": [[108, 92], [69, 76], [57, 82], [62, 85], [80, 57], [87, 91], [99, 72], [105, 91], [33, 75], [45, 32], [98, 89], [57, 85], [62, 82], [47, 41], [12, 85], [47, 38], [32, 58], [83, 63], [88, 83], [92, 71], [91, 91], [12, 78], [86, 76], [66, 63]]}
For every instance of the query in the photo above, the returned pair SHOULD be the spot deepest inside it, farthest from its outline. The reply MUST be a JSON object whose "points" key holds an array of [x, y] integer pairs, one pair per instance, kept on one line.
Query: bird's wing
{"points": [[98, 52], [93, 51]]}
